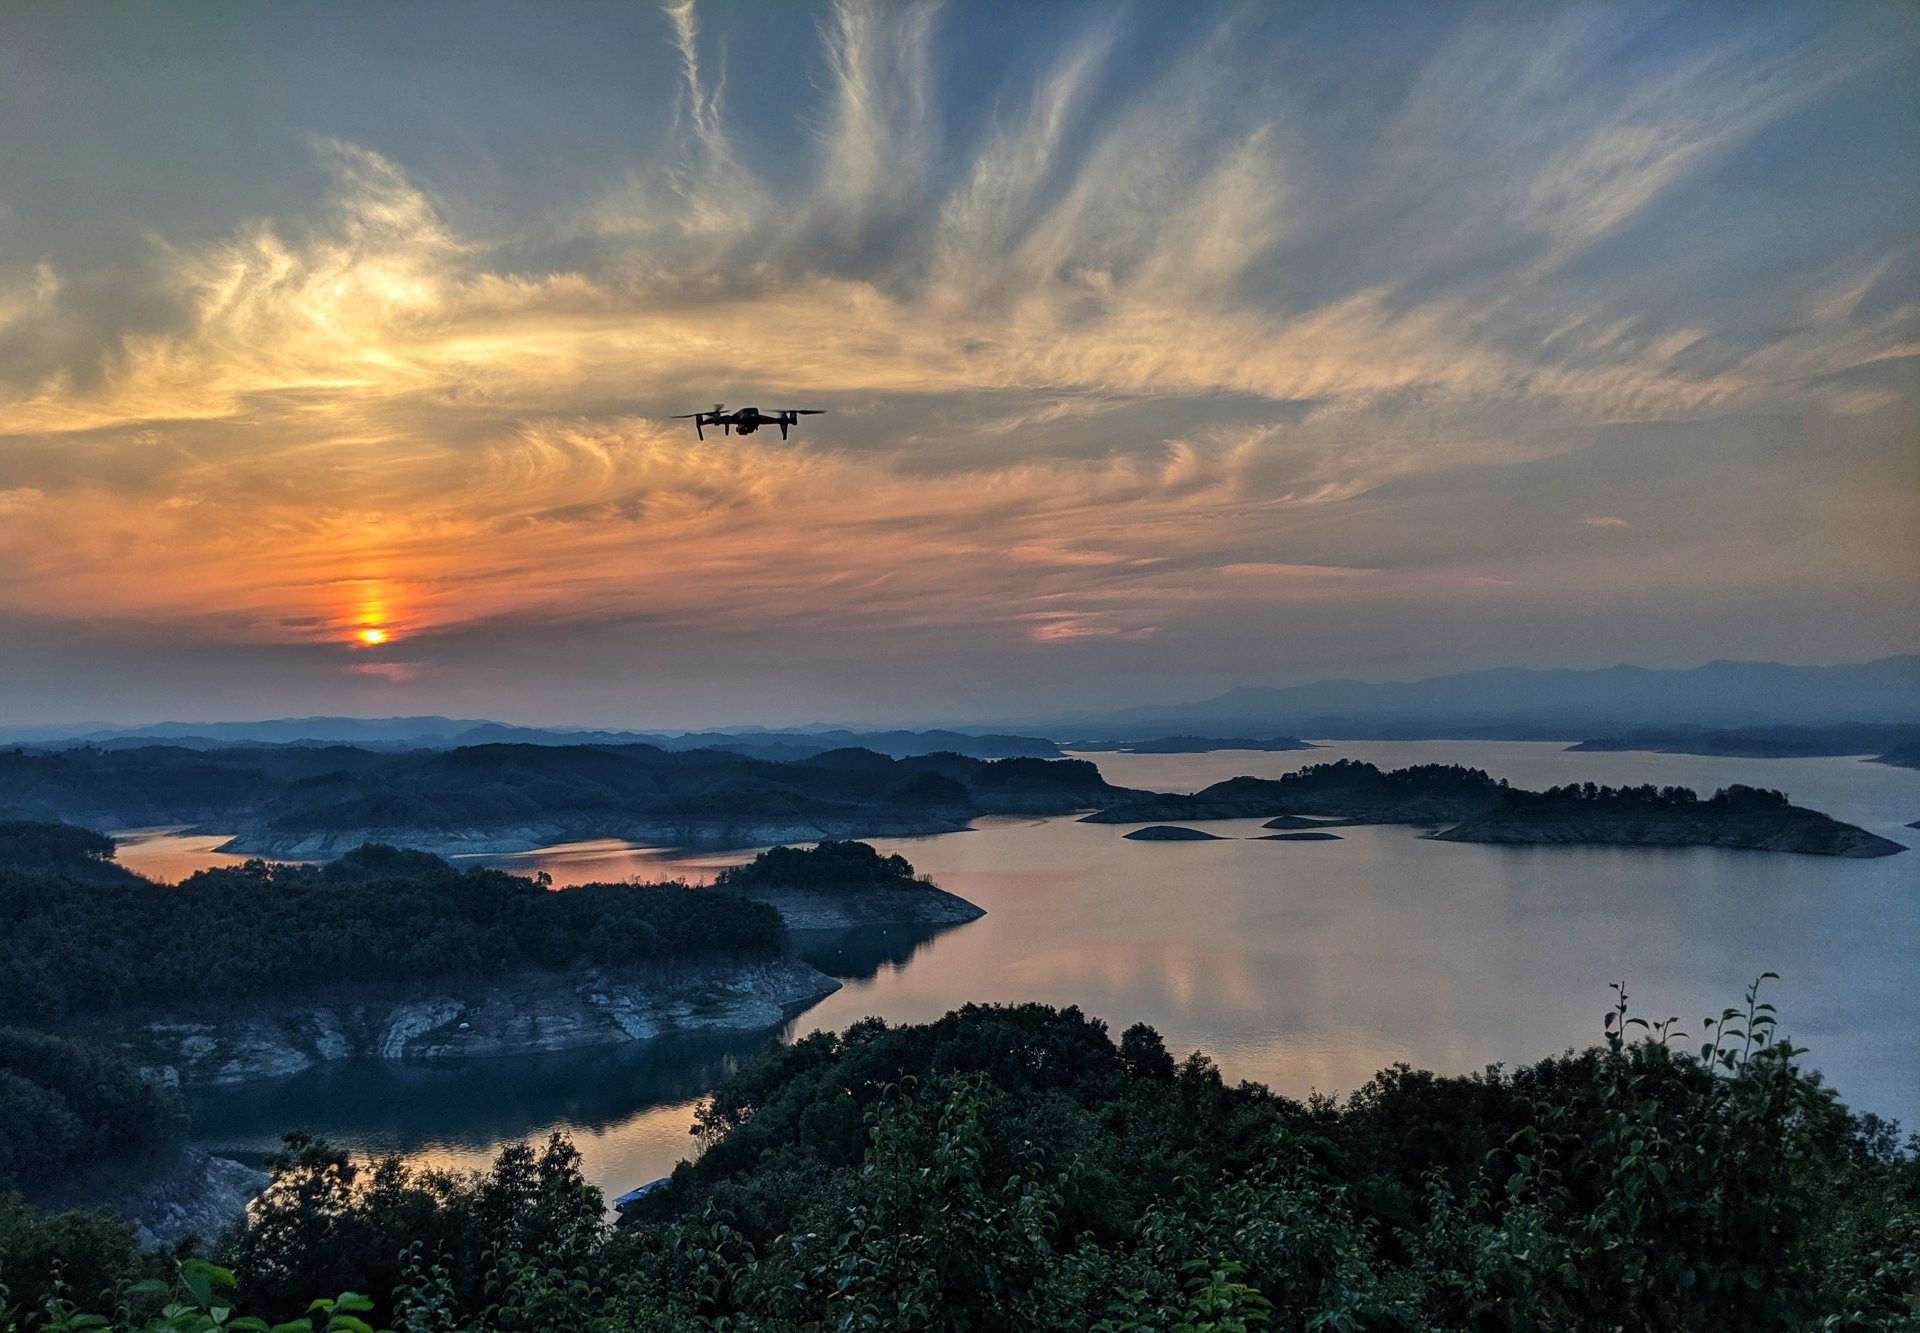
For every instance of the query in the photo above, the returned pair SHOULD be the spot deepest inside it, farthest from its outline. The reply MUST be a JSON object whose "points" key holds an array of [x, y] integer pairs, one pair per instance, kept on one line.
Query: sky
{"points": [[1164, 348]]}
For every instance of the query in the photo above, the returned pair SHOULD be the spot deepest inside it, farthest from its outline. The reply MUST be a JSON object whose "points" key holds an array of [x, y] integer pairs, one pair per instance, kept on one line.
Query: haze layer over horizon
{"points": [[1165, 350]]}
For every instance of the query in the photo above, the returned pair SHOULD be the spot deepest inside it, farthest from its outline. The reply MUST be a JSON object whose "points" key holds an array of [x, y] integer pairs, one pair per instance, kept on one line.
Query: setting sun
{"points": [[373, 636]]}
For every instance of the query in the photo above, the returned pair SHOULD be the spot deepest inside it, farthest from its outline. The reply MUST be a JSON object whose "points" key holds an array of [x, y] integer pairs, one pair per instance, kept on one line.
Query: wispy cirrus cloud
{"points": [[1130, 331]]}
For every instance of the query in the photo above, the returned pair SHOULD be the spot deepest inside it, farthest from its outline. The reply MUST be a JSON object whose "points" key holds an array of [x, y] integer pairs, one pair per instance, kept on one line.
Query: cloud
{"points": [[1604, 521], [1117, 339]]}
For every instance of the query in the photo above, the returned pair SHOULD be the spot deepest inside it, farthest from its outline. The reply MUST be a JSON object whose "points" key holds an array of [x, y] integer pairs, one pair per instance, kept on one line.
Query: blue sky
{"points": [[1166, 348]]}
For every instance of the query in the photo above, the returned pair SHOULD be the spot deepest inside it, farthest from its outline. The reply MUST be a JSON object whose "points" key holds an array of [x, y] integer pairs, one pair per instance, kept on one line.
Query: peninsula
{"points": [[262, 970]]}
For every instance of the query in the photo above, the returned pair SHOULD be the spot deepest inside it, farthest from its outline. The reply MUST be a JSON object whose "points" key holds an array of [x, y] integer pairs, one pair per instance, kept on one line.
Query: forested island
{"points": [[842, 885], [1017, 1168], [1347, 789], [1479, 808], [314, 802], [260, 970], [1750, 818]]}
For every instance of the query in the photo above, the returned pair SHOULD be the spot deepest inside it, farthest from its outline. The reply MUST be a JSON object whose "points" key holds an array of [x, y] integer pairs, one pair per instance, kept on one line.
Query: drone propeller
{"points": [[804, 411]]}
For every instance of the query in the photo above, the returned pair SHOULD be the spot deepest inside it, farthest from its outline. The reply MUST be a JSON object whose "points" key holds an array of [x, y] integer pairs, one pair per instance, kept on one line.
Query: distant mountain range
{"points": [[1505, 703], [1515, 703], [445, 733]]}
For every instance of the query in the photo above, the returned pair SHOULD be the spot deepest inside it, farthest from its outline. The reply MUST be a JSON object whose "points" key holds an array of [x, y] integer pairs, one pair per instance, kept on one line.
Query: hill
{"points": [[314, 802]]}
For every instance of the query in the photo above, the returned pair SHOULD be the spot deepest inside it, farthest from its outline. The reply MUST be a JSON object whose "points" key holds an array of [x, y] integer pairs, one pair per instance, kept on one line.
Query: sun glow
{"points": [[373, 637]]}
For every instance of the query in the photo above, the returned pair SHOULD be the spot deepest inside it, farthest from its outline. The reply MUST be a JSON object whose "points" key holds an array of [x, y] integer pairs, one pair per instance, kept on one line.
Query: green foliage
{"points": [[35, 847], [331, 789], [831, 865], [1012, 1168], [376, 913], [1357, 775], [66, 1105], [82, 1257], [1649, 799]]}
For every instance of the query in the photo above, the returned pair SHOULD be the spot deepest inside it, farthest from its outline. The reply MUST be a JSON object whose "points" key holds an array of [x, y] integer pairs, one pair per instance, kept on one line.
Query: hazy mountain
{"points": [[442, 733], [421, 731], [1517, 702]]}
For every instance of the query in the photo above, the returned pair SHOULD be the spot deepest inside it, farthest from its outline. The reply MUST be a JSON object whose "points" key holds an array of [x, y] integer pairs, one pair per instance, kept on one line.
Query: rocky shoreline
{"points": [[918, 904], [505, 1017], [708, 834]]}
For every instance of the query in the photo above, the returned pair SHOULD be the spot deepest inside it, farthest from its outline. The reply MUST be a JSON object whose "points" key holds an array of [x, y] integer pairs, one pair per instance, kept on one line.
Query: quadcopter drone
{"points": [[747, 420]]}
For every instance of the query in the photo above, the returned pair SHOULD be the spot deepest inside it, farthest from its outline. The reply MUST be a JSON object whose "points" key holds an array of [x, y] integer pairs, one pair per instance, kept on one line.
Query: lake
{"points": [[1304, 966]]}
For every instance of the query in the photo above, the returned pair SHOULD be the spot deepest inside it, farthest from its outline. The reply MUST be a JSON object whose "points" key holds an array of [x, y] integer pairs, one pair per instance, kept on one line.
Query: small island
{"points": [[1171, 833], [842, 885], [1299, 837]]}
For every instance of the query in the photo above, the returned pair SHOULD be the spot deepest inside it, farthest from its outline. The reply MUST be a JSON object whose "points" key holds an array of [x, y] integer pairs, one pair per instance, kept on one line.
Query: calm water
{"points": [[1301, 965]]}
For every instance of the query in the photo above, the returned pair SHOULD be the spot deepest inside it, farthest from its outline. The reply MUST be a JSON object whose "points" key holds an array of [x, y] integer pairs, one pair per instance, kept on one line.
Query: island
{"points": [[1299, 837], [842, 886], [1749, 818], [1467, 805], [1347, 789], [261, 970], [1171, 833], [1189, 745]]}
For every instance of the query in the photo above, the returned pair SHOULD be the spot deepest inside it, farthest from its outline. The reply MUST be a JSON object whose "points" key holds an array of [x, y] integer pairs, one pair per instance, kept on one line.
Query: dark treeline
{"points": [[66, 1107], [263, 930], [1348, 778], [1017, 1169], [1413, 778], [321, 789], [36, 847], [830, 865], [1736, 799]]}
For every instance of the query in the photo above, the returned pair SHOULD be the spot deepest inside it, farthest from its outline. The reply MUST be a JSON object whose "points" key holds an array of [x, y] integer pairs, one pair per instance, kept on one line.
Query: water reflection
{"points": [[169, 854], [1300, 965], [859, 953], [629, 1107]]}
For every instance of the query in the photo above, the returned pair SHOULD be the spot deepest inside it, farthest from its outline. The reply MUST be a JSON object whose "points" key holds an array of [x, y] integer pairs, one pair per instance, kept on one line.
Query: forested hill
{"points": [[1346, 788], [1016, 1169], [377, 917], [314, 802], [37, 847]]}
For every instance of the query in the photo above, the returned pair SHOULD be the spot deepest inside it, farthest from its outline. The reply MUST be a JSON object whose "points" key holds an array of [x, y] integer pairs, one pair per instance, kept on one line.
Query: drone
{"points": [[747, 420]]}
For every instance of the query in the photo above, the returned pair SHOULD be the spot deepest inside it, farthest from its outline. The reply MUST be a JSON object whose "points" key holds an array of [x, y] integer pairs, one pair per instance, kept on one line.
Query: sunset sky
{"points": [[1165, 348]]}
